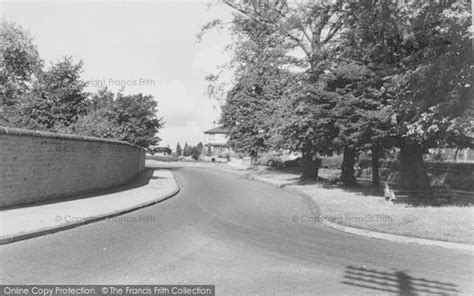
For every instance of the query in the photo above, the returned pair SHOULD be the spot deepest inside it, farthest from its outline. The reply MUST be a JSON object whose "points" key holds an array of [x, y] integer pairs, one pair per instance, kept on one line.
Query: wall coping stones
{"points": [[42, 134]]}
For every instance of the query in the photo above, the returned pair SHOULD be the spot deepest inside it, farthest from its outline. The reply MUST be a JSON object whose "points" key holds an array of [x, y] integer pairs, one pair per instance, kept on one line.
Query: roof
{"points": [[218, 130]]}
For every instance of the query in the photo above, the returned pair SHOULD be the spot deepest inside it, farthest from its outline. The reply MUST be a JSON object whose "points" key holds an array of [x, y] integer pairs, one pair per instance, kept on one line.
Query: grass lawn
{"points": [[447, 223]]}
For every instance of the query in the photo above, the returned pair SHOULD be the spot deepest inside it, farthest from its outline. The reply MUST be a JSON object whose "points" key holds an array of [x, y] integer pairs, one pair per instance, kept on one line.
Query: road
{"points": [[242, 236]]}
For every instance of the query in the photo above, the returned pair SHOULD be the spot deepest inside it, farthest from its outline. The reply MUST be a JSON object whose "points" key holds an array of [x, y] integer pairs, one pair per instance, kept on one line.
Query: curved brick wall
{"points": [[39, 166]]}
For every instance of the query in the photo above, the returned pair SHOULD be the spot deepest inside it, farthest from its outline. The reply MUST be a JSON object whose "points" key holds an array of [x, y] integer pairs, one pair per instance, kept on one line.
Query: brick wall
{"points": [[39, 166]]}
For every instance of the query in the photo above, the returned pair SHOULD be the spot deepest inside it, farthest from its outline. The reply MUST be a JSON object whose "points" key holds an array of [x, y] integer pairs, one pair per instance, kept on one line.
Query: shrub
{"points": [[331, 162]]}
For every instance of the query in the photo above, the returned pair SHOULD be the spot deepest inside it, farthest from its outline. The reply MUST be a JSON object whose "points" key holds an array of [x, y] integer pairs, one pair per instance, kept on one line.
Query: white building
{"points": [[216, 140]]}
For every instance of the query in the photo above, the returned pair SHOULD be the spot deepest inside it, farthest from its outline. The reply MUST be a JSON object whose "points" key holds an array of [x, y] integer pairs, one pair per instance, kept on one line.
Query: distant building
{"points": [[216, 141], [162, 151]]}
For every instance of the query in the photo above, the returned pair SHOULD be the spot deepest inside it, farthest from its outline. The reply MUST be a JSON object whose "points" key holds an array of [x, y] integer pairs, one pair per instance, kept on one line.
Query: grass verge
{"points": [[362, 208]]}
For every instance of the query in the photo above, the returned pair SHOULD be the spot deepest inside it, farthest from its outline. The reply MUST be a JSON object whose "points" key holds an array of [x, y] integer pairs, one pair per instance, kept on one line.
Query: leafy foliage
{"points": [[358, 113], [186, 150], [179, 150], [431, 98], [19, 63], [130, 118], [259, 82], [57, 99], [369, 74], [136, 116], [304, 121]]}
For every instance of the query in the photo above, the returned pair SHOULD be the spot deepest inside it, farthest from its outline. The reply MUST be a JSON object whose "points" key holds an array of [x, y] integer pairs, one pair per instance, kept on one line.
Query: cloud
{"points": [[209, 58], [176, 103], [184, 105], [187, 112], [190, 133]]}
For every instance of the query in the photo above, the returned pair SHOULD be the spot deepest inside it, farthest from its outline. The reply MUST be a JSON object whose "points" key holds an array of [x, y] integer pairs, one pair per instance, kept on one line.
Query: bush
{"points": [[195, 153], [292, 163], [331, 162], [276, 164]]}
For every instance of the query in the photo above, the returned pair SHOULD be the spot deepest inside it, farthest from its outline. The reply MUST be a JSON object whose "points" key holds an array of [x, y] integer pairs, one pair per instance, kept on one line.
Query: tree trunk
{"points": [[456, 153], [309, 167], [375, 165], [411, 171], [347, 170], [253, 157]]}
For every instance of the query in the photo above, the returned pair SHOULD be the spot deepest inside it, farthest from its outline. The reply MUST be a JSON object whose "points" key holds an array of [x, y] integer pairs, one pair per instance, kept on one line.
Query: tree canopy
{"points": [[55, 99], [323, 76]]}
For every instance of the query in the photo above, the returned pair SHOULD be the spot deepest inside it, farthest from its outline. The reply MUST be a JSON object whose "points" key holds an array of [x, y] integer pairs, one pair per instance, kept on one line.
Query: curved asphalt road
{"points": [[241, 236]]}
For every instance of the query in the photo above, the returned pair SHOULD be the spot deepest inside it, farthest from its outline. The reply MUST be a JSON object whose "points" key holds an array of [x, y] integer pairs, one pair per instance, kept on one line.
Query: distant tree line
{"points": [[323, 77], [193, 151], [54, 98]]}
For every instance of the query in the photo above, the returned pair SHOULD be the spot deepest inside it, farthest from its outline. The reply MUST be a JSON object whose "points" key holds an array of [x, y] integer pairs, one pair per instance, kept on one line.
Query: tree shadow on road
{"points": [[396, 282]]}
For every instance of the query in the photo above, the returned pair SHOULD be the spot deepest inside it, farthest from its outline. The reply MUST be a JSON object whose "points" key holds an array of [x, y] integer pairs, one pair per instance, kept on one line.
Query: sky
{"points": [[146, 47]]}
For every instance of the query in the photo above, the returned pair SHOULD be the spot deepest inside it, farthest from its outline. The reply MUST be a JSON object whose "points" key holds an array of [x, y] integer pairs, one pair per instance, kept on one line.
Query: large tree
{"points": [[58, 98], [422, 53], [99, 120], [411, 88], [259, 55], [20, 65], [137, 117], [430, 98], [257, 59], [310, 28], [357, 113], [370, 49], [304, 123]]}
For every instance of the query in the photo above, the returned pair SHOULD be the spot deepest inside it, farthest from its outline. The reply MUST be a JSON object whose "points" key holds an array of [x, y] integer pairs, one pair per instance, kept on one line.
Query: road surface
{"points": [[242, 236]]}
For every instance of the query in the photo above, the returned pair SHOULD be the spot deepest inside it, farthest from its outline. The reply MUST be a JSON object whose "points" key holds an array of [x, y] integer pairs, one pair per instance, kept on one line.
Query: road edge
{"points": [[360, 231], [50, 230], [398, 238]]}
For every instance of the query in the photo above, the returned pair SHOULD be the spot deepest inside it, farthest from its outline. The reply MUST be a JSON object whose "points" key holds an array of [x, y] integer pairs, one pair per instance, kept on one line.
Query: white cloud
{"points": [[176, 103], [187, 113], [186, 107], [209, 58]]}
